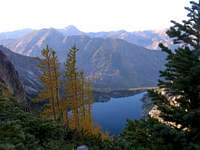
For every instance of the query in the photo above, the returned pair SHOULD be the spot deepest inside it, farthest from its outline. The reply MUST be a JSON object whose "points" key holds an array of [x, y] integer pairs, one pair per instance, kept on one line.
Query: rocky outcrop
{"points": [[9, 76]]}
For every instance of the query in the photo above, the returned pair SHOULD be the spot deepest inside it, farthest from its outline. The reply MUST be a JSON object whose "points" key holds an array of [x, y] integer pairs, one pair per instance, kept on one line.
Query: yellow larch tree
{"points": [[78, 91], [50, 78], [71, 86], [79, 94]]}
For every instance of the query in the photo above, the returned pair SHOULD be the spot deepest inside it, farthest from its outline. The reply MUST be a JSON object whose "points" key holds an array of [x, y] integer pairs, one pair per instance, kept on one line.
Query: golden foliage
{"points": [[50, 79], [79, 93], [75, 110]]}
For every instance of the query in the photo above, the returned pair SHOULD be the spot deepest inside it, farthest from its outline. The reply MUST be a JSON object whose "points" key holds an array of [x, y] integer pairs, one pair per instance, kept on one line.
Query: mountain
{"points": [[148, 39], [110, 63], [29, 44], [70, 30], [10, 78], [26, 68], [14, 34]]}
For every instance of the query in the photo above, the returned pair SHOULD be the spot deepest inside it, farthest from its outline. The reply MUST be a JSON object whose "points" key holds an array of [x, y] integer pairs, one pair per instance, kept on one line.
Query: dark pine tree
{"points": [[181, 78]]}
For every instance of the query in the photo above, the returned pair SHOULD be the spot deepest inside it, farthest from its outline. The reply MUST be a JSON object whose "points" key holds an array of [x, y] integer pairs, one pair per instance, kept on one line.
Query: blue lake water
{"points": [[112, 115]]}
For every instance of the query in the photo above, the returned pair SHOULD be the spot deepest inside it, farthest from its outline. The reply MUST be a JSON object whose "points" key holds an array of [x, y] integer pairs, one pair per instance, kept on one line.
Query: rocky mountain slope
{"points": [[10, 78], [26, 68]]}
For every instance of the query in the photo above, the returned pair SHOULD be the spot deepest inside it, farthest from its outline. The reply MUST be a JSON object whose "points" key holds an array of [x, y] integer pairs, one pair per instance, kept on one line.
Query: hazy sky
{"points": [[90, 15]]}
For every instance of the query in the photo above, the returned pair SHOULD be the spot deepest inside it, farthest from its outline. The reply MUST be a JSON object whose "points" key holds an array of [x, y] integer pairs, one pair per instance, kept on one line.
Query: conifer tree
{"points": [[71, 85], [56, 85], [82, 106], [88, 110], [50, 79], [79, 94], [181, 78], [85, 102]]}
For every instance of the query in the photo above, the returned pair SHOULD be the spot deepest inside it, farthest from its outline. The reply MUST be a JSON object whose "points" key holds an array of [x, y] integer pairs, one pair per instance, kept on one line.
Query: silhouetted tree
{"points": [[178, 96]]}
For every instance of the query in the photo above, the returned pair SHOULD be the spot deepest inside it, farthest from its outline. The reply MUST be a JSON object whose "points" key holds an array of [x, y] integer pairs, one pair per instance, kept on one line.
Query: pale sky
{"points": [[90, 15]]}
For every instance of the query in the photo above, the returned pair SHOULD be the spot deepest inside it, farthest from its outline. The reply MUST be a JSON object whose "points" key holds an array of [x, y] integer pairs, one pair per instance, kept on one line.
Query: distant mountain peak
{"points": [[72, 27], [71, 30], [122, 31]]}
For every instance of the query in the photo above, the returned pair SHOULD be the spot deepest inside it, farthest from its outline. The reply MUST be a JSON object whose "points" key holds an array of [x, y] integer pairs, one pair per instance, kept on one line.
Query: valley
{"points": [[100, 75]]}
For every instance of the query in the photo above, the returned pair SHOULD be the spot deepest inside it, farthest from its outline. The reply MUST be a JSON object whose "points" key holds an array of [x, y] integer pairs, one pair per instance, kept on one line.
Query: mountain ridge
{"points": [[148, 38], [110, 63]]}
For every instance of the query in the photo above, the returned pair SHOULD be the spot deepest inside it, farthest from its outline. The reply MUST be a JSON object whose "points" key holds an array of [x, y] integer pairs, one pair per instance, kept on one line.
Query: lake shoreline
{"points": [[106, 96]]}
